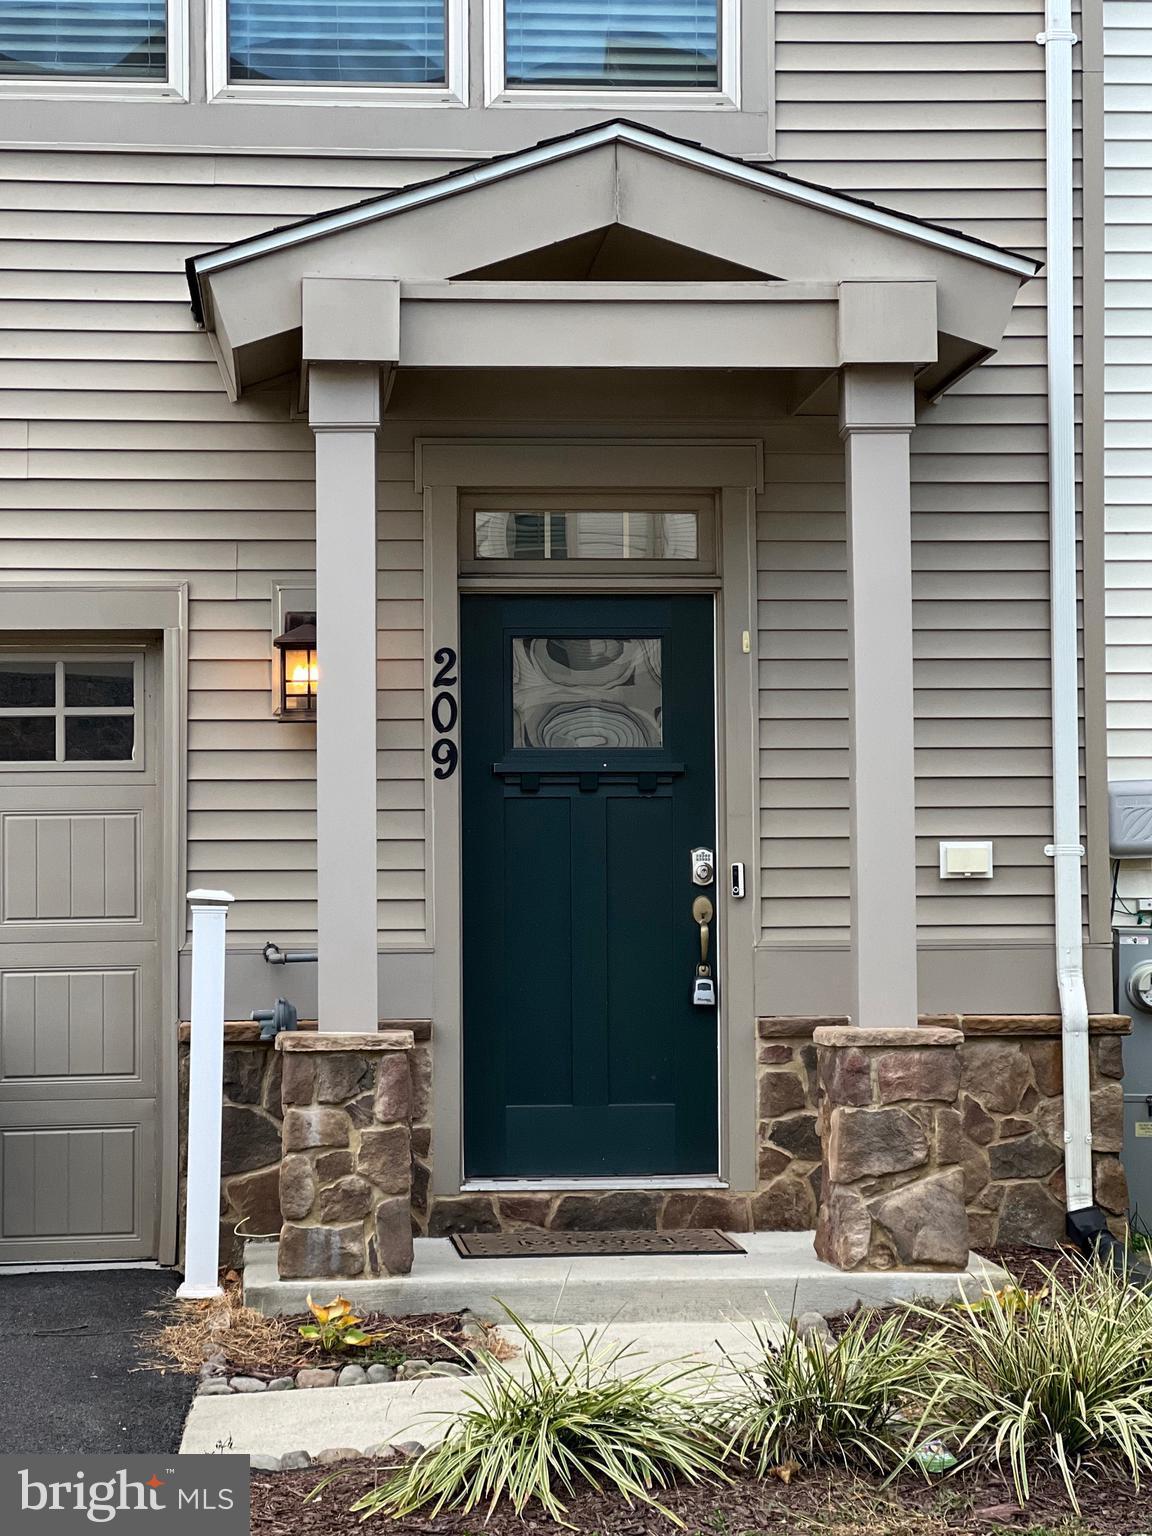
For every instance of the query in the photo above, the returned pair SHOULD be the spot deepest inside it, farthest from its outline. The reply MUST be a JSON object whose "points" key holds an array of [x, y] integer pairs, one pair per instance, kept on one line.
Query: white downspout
{"points": [[1065, 850]]}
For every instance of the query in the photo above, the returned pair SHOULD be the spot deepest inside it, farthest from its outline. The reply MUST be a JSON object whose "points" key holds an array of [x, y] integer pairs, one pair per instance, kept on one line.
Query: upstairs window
{"points": [[84, 39], [348, 42], [633, 45]]}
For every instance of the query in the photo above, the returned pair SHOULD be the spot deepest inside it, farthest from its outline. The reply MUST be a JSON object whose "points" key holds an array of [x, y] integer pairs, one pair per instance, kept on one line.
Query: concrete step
{"points": [[777, 1276]]}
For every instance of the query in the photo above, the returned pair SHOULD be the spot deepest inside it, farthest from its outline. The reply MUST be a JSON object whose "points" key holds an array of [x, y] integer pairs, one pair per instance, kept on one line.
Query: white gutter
{"points": [[1066, 853]]}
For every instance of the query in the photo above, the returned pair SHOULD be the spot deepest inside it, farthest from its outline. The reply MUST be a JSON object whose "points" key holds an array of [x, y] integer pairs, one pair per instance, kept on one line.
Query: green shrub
{"points": [[1063, 1381], [812, 1401], [559, 1425]]}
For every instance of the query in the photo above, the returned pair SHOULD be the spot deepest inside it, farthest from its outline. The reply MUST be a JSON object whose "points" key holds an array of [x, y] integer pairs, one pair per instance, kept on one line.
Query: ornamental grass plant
{"points": [[814, 1401], [542, 1432], [1055, 1380]]}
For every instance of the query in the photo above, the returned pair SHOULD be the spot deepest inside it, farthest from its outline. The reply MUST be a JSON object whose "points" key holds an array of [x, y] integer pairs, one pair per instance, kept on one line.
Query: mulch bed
{"points": [[811, 1504], [434, 1336]]}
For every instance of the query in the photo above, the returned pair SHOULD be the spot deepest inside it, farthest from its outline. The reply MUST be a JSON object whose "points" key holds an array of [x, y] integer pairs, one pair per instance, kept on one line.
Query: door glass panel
{"points": [[27, 739], [27, 684], [586, 692], [98, 684], [98, 738], [586, 535]]}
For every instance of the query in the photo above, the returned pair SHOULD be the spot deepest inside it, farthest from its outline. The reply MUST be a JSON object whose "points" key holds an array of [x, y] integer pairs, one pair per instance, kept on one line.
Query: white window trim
{"points": [[497, 94], [454, 93], [81, 88]]}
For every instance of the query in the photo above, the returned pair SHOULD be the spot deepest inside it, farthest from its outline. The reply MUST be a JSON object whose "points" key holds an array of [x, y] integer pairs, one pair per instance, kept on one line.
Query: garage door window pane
{"points": [[27, 740], [98, 684], [98, 738], [27, 684]]}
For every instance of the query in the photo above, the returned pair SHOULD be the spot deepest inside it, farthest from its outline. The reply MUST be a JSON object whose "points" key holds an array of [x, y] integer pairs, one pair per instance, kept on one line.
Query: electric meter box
{"points": [[1130, 818]]}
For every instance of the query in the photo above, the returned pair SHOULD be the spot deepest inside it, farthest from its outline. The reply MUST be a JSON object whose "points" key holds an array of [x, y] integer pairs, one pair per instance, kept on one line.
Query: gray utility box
{"points": [[1130, 818], [1134, 997]]}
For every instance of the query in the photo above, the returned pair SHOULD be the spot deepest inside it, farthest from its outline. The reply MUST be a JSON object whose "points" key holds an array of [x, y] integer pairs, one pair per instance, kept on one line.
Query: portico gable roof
{"points": [[563, 196]]}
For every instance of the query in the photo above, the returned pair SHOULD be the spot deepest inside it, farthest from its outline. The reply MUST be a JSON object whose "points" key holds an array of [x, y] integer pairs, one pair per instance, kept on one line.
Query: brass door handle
{"points": [[703, 911]]}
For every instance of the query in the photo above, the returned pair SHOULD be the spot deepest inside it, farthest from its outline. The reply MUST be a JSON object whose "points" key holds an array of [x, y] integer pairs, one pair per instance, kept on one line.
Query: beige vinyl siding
{"points": [[937, 110], [119, 453], [1128, 393]]}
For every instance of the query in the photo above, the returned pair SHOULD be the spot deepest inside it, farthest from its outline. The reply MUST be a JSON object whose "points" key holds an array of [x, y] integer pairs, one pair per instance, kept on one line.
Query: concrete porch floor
{"points": [[779, 1275]]}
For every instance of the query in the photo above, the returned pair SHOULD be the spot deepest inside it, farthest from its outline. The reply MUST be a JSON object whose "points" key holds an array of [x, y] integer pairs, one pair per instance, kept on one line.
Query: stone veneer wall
{"points": [[1009, 1145], [252, 1129], [1009, 1101], [346, 1173]]}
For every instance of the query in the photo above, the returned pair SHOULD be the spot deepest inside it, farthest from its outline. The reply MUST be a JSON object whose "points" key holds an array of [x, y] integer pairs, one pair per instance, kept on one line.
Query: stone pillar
{"points": [[877, 414], [892, 1140], [346, 1173]]}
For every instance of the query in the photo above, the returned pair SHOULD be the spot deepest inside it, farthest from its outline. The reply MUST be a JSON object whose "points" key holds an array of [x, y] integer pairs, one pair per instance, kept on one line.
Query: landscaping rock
{"points": [[261, 1463], [378, 1374], [409, 1449], [352, 1376], [447, 1368], [314, 1127], [926, 1222], [314, 1378], [411, 1370], [248, 1384], [218, 1387], [810, 1324], [282, 1384], [336, 1453], [864, 1142], [295, 1461]]}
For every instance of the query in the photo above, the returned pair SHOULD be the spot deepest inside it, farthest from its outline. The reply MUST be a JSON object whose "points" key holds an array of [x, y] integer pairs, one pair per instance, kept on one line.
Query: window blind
{"points": [[650, 44], [367, 42], [113, 39]]}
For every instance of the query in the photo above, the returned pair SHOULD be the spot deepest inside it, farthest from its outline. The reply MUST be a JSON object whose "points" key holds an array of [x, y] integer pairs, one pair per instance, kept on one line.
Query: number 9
{"points": [[445, 755]]}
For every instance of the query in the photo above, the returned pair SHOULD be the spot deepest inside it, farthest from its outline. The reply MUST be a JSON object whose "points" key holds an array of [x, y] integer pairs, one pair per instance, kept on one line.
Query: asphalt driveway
{"points": [[68, 1348]]}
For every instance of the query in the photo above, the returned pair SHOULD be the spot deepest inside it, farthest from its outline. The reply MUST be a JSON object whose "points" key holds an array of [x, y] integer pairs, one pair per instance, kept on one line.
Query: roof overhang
{"points": [[843, 280]]}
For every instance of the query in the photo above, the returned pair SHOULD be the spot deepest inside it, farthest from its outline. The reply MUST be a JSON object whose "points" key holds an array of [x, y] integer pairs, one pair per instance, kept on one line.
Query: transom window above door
{"points": [[56, 710], [567, 535]]}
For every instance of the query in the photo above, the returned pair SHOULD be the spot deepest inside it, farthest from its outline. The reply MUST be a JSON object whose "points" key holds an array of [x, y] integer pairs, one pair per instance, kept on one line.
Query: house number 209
{"points": [[445, 713]]}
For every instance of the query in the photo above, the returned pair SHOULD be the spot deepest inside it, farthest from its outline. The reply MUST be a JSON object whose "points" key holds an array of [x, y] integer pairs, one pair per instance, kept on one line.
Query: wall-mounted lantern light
{"points": [[298, 672]]}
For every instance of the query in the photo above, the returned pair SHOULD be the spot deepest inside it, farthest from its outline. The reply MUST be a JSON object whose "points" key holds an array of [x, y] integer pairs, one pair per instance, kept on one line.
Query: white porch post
{"points": [[877, 413], [344, 413], [205, 1105]]}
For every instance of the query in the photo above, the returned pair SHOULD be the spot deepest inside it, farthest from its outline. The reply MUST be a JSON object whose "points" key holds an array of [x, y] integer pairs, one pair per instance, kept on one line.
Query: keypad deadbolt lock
{"points": [[703, 866]]}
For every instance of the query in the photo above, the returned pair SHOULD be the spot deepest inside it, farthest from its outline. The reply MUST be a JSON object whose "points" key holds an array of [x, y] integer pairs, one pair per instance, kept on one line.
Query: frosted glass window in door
{"points": [[580, 692]]}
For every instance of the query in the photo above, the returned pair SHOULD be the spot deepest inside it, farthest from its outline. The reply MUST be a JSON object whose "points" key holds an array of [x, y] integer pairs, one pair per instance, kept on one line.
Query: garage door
{"points": [[79, 957]]}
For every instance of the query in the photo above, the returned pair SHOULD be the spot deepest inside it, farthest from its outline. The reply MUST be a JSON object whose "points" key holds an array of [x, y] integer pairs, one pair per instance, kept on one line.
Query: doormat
{"points": [[588, 1245]]}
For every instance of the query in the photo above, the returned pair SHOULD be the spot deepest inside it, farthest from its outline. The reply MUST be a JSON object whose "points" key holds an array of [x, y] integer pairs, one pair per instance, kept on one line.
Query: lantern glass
{"points": [[299, 680]]}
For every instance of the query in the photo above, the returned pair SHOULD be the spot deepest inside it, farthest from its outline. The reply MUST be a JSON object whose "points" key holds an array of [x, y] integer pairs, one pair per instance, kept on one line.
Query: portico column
{"points": [[877, 413], [344, 413]]}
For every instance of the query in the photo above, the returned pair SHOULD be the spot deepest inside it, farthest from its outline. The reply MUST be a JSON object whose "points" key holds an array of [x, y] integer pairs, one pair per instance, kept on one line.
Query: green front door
{"points": [[588, 759]]}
